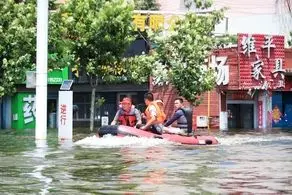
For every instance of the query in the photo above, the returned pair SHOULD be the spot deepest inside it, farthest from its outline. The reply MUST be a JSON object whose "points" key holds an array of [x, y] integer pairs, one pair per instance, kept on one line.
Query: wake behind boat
{"points": [[121, 130]]}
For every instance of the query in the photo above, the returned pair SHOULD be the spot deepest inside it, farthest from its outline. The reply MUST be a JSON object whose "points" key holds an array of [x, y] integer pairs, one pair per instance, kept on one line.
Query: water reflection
{"points": [[147, 168]]}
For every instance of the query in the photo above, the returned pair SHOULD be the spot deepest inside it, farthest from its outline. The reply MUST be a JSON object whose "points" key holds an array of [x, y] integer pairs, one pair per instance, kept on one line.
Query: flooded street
{"points": [[247, 162]]}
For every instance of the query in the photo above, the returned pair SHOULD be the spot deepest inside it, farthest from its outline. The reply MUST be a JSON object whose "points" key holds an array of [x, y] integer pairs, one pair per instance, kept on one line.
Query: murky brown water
{"points": [[246, 162]]}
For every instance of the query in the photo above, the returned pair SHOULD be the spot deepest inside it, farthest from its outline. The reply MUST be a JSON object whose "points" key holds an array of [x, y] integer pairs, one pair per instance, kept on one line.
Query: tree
{"points": [[100, 31], [146, 5], [180, 54], [18, 43]]}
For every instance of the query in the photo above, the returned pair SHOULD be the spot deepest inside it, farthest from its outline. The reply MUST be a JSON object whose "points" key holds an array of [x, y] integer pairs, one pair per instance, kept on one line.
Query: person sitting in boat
{"points": [[154, 115], [183, 116], [127, 114], [161, 106]]}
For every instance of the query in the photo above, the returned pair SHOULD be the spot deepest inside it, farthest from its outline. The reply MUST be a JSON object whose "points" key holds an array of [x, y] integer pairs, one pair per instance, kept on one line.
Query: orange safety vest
{"points": [[160, 118], [127, 118]]}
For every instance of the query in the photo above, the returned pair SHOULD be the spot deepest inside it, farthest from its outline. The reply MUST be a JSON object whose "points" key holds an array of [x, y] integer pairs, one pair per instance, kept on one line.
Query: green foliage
{"points": [[184, 51], [202, 4], [139, 67], [99, 101], [146, 5], [58, 46], [18, 43], [180, 54], [99, 32], [226, 40]]}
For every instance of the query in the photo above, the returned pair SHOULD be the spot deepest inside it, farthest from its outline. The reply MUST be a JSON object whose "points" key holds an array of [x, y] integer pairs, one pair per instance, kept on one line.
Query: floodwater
{"points": [[245, 162]]}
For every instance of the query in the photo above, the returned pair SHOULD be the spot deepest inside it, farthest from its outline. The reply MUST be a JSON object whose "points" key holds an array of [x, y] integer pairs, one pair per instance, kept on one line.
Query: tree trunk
{"points": [[92, 108], [93, 83], [99, 111]]}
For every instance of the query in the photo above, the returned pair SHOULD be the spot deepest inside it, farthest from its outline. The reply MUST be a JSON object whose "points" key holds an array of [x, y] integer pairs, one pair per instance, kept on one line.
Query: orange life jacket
{"points": [[160, 117], [127, 118]]}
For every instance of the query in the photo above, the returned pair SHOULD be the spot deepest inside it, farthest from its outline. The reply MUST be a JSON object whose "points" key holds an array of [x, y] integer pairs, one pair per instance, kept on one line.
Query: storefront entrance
{"points": [[282, 109], [240, 116], [52, 113]]}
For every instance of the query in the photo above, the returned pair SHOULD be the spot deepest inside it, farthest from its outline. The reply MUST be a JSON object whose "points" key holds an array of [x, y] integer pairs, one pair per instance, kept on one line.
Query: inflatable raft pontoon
{"points": [[121, 130]]}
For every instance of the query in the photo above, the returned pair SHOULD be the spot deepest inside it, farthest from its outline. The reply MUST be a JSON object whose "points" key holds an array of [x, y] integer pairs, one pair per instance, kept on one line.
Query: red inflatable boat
{"points": [[122, 130]]}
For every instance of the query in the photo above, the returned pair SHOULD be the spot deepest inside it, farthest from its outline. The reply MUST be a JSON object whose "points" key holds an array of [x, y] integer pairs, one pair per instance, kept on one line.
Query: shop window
{"points": [[81, 106]]}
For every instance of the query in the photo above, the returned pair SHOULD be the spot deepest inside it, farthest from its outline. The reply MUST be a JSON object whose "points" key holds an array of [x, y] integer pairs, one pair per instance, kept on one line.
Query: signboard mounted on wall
{"points": [[55, 77], [30, 80], [261, 61]]}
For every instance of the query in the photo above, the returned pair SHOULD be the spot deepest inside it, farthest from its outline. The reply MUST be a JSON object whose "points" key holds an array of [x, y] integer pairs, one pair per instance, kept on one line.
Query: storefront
{"points": [[282, 99], [108, 98], [282, 109], [247, 75], [23, 102], [241, 109]]}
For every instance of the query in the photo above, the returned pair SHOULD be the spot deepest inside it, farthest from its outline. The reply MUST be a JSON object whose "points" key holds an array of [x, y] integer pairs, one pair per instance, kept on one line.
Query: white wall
{"points": [[246, 16]]}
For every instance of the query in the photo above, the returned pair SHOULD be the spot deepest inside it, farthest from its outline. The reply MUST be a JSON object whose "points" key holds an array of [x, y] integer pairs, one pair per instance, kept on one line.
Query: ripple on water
{"points": [[109, 141], [243, 139]]}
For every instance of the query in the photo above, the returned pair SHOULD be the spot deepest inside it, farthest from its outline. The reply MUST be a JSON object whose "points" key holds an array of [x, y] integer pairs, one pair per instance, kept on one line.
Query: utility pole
{"points": [[41, 70]]}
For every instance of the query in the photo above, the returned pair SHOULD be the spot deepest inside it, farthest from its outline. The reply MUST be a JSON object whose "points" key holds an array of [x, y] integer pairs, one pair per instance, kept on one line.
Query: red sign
{"points": [[261, 61], [260, 114], [63, 114]]}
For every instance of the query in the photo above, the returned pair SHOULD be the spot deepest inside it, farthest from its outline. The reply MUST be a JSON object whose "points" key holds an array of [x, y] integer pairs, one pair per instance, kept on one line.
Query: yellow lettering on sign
{"points": [[139, 22], [171, 22], [156, 22]]}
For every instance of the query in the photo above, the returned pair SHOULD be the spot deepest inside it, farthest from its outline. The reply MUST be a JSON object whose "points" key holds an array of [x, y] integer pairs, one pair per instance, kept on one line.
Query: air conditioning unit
{"points": [[202, 121]]}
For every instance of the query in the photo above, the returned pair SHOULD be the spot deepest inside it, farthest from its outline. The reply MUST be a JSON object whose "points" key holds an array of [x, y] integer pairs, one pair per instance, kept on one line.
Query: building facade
{"points": [[253, 89], [254, 86]]}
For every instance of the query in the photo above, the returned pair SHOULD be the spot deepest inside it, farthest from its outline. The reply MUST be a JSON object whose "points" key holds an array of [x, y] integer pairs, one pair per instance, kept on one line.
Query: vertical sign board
{"points": [[260, 114], [65, 115]]}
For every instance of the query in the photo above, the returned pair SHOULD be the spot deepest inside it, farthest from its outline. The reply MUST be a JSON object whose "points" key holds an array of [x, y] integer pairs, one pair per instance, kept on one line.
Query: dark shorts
{"points": [[157, 128]]}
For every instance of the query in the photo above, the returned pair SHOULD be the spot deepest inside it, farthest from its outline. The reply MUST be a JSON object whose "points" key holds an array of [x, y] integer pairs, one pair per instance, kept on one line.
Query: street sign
{"points": [[30, 79]]}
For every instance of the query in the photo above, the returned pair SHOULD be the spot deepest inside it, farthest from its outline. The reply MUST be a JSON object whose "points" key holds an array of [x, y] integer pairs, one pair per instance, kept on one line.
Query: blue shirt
{"points": [[178, 116]]}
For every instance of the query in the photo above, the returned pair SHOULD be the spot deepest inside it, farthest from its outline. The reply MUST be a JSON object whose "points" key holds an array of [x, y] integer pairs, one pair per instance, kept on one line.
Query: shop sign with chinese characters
{"points": [[29, 109], [218, 63], [261, 61], [65, 114], [153, 21], [23, 111]]}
